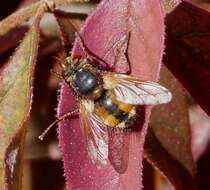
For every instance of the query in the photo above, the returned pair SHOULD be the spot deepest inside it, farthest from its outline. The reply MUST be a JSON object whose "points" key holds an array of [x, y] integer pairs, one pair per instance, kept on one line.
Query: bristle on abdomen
{"points": [[113, 112]]}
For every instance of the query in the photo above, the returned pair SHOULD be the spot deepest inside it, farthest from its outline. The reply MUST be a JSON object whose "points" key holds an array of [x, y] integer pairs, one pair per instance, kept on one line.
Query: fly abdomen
{"points": [[112, 111], [112, 107]]}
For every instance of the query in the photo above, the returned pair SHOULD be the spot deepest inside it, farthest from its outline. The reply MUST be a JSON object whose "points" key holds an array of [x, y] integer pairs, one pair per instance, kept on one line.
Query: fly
{"points": [[106, 100]]}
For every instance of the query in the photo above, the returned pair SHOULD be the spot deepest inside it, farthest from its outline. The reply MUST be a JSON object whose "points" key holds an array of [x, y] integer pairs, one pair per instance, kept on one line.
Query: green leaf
{"points": [[16, 80]]}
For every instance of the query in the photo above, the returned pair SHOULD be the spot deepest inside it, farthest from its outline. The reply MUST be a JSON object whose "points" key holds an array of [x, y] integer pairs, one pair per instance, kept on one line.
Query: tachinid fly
{"points": [[106, 100]]}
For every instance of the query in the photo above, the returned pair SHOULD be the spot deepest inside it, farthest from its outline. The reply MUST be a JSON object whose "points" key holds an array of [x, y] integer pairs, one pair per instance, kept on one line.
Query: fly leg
{"points": [[63, 117]]}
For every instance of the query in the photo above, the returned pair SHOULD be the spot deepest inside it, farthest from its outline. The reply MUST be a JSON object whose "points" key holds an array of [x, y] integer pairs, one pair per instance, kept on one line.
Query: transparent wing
{"points": [[131, 90], [95, 133], [119, 141], [116, 55]]}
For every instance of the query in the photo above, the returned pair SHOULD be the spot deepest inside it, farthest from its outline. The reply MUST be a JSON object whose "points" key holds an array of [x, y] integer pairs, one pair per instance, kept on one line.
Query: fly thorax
{"points": [[86, 83]]}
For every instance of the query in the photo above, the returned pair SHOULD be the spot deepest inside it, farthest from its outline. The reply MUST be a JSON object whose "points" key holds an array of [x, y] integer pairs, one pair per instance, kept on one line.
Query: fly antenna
{"points": [[89, 54], [63, 117]]}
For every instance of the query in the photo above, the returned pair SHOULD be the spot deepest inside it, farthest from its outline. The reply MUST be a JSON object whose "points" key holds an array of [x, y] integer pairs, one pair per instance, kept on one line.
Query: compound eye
{"points": [[85, 82]]}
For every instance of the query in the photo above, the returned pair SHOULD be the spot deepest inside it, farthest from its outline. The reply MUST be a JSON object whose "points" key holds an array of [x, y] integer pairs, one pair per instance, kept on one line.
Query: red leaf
{"points": [[168, 166], [11, 39], [188, 50], [168, 144], [104, 30], [204, 4]]}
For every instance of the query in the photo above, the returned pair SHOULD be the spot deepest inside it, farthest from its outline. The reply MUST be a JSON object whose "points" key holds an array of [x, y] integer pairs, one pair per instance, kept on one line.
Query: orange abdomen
{"points": [[112, 111]]}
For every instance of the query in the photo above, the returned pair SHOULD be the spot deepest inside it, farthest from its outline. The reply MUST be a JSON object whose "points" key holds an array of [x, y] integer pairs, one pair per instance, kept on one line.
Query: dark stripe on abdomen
{"points": [[112, 108]]}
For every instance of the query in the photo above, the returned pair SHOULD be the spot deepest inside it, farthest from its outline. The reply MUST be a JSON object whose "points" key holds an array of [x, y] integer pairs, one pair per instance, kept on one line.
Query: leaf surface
{"points": [[16, 80], [188, 50], [168, 144], [12, 38], [105, 32], [204, 4]]}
